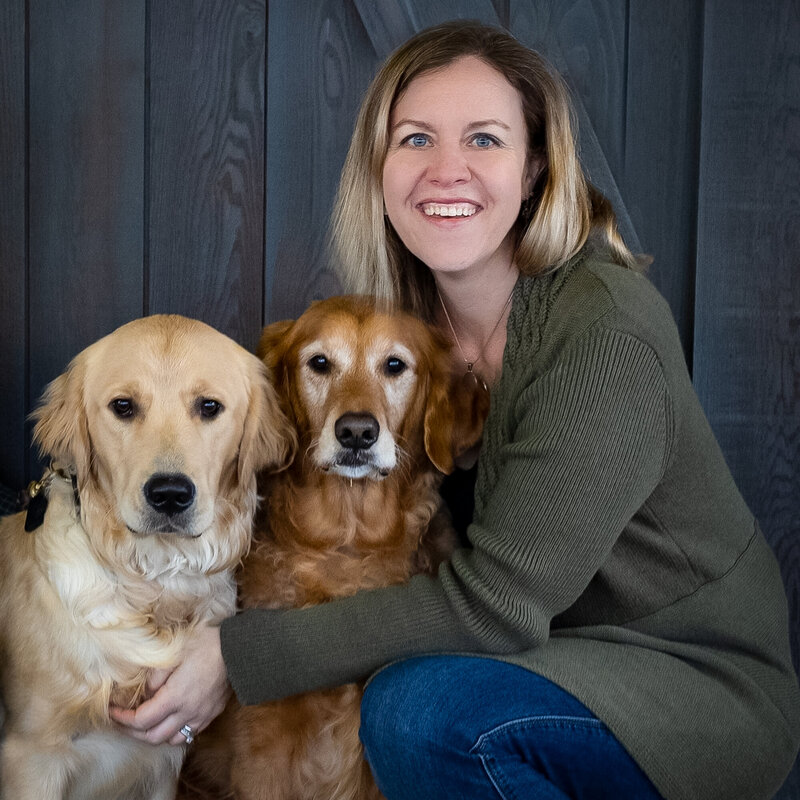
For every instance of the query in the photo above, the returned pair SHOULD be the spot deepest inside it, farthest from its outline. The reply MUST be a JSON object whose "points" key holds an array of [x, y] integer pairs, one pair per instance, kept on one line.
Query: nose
{"points": [[357, 431], [448, 165], [169, 493]]}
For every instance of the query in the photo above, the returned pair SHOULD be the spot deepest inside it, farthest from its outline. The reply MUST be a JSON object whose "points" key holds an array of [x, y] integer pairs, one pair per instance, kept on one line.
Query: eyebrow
{"points": [[481, 123]]}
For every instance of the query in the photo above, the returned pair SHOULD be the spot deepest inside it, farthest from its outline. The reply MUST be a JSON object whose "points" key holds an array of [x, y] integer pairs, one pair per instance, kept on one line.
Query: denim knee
{"points": [[405, 720], [389, 712]]}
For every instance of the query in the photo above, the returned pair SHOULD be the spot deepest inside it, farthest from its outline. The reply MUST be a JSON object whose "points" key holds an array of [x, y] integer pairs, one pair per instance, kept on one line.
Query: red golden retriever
{"points": [[157, 432], [377, 424]]}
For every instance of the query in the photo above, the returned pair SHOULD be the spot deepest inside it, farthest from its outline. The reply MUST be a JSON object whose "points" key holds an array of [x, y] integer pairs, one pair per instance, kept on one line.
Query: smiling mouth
{"points": [[448, 209]]}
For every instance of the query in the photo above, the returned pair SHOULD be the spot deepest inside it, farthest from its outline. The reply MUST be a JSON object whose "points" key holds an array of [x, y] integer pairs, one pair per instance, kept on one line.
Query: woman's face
{"points": [[456, 170]]}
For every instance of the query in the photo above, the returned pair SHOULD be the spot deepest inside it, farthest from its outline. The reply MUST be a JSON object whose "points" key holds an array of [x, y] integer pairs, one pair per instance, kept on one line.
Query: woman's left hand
{"points": [[192, 695]]}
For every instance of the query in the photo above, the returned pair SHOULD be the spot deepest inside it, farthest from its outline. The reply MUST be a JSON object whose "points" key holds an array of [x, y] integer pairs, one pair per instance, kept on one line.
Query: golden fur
{"points": [[339, 519], [106, 590]]}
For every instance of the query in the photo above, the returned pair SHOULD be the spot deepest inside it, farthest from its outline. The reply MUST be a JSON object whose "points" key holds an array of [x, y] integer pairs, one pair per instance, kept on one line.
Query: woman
{"points": [[625, 616]]}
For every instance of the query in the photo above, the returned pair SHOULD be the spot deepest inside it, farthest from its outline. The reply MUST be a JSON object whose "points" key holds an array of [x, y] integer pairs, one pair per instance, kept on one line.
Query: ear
{"points": [[268, 440], [272, 337], [61, 429], [454, 417], [532, 172], [272, 350]]}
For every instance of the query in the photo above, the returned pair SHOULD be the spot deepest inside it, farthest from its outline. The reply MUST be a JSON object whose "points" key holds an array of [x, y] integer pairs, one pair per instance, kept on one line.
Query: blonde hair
{"points": [[553, 224]]}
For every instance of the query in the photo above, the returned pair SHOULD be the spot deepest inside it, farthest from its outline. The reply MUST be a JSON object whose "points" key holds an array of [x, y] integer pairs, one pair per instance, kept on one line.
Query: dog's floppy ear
{"points": [[269, 349], [272, 349], [454, 417], [268, 439], [61, 429]]}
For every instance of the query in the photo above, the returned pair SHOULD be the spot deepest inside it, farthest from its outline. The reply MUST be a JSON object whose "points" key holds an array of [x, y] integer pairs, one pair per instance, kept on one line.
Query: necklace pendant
{"points": [[470, 365], [473, 379]]}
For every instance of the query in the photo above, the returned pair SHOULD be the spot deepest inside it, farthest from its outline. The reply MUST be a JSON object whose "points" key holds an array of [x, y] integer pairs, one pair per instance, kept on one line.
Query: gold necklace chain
{"points": [[471, 364]]}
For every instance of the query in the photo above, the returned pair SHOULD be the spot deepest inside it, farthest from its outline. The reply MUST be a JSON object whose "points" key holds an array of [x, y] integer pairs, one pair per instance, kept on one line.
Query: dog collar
{"points": [[37, 494]]}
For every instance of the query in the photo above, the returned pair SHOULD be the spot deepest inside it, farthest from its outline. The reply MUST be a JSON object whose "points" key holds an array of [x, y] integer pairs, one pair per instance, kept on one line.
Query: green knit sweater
{"points": [[611, 553]]}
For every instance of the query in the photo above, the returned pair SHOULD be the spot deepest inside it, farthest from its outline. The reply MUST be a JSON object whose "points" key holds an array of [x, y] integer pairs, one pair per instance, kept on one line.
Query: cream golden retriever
{"points": [[370, 395], [157, 431]]}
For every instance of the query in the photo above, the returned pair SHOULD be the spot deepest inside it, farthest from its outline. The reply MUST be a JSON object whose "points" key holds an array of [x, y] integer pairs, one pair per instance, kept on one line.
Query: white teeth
{"points": [[457, 210]]}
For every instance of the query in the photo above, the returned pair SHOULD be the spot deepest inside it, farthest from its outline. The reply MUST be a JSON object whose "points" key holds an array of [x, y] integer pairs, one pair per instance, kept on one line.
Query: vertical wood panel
{"points": [[86, 142], [662, 139], [391, 24], [747, 334], [320, 63], [206, 162], [585, 41], [12, 245], [747, 348]]}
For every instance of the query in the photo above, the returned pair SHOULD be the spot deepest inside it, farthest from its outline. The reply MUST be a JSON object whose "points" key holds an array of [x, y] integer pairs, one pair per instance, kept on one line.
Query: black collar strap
{"points": [[37, 493]]}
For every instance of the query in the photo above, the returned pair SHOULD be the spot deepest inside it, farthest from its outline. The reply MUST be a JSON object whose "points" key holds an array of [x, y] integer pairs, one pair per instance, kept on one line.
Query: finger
{"points": [[168, 730], [148, 715], [155, 680], [179, 738]]}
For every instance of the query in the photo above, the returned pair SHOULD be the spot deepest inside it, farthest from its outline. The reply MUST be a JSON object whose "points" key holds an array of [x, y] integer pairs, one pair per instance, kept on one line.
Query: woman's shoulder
{"points": [[592, 293], [591, 296]]}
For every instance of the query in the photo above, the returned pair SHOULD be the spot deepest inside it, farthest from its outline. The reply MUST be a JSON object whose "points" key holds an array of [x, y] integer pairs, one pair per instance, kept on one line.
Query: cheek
{"points": [[314, 399], [214, 445], [395, 185], [398, 394]]}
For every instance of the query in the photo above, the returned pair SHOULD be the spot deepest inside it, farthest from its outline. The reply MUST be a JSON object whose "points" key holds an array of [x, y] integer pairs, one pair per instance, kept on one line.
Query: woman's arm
{"points": [[589, 442]]}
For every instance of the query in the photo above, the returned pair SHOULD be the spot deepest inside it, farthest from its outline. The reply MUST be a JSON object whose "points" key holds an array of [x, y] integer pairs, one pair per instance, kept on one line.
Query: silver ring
{"points": [[186, 732]]}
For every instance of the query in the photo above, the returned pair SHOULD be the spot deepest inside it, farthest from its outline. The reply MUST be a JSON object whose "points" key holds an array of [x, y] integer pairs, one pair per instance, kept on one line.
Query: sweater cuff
{"points": [[244, 639]]}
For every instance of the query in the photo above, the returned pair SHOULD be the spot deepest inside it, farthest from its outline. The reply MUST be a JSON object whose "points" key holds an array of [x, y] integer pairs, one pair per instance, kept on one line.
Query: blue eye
{"points": [[484, 141], [417, 139]]}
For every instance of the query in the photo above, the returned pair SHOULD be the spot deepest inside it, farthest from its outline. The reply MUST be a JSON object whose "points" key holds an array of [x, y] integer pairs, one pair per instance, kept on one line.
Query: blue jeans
{"points": [[471, 728]]}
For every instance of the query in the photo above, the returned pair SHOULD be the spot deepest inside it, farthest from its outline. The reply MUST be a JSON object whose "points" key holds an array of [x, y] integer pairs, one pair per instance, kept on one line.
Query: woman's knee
{"points": [[396, 710]]}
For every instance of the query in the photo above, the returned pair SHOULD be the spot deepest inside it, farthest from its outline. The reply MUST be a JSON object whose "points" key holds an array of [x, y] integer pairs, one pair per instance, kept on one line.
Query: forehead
{"points": [[165, 356], [468, 86], [370, 331]]}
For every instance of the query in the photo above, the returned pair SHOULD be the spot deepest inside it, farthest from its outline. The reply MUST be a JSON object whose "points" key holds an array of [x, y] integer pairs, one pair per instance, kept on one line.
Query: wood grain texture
{"points": [[206, 162], [747, 342], [86, 144], [661, 145], [13, 326], [319, 67], [390, 24], [585, 42]]}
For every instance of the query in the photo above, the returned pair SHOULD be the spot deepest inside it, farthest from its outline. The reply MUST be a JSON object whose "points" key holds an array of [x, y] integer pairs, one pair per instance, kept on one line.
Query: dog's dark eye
{"points": [[319, 363], [208, 408], [394, 365], [123, 407]]}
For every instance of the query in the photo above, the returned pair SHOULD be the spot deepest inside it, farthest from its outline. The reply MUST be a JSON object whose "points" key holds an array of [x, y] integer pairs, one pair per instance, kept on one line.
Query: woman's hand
{"points": [[194, 694]]}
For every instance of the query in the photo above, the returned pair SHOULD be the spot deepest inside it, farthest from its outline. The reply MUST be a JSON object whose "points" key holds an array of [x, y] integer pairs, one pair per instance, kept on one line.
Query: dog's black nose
{"points": [[169, 494], [357, 431]]}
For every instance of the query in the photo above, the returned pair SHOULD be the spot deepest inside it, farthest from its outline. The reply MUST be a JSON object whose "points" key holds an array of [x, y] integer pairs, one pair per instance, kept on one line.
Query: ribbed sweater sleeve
{"points": [[570, 454]]}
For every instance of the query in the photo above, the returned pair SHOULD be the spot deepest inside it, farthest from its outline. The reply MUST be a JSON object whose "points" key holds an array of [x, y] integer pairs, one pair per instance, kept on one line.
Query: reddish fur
{"points": [[323, 536]]}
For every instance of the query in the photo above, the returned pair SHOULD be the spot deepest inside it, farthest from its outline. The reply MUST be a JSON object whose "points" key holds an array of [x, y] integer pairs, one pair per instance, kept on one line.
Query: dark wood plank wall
{"points": [[205, 162], [14, 401], [320, 61], [747, 300], [85, 196], [182, 156]]}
